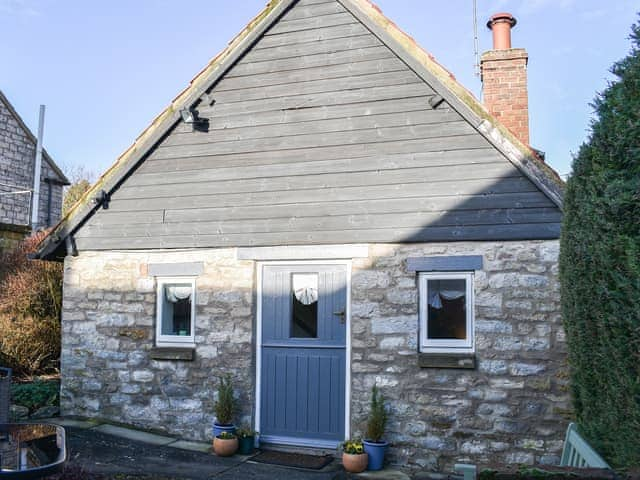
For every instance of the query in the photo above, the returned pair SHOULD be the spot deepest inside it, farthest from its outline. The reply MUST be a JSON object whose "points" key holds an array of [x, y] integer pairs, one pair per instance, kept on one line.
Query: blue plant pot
{"points": [[376, 454], [218, 429]]}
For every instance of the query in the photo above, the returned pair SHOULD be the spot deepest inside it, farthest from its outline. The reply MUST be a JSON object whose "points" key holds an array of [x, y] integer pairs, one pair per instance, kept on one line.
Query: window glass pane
{"points": [[447, 317], [304, 310], [176, 309]]}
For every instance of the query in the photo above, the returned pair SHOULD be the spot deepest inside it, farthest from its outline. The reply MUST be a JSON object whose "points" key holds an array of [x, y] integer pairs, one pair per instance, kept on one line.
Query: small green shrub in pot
{"points": [[377, 416], [246, 440], [374, 445], [225, 407]]}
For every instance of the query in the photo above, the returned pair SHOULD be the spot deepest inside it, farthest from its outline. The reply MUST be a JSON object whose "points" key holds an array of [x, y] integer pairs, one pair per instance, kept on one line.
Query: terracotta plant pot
{"points": [[355, 462], [225, 447]]}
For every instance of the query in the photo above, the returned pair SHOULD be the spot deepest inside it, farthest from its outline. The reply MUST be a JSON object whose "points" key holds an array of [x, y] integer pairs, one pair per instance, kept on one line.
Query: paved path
{"points": [[112, 451], [97, 452]]}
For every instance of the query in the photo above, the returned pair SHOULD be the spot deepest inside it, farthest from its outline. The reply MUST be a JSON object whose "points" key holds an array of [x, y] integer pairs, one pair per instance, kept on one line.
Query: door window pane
{"points": [[447, 316], [176, 309], [304, 309]]}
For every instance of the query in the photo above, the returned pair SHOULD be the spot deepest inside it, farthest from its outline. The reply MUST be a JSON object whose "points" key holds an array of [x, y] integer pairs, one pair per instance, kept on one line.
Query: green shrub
{"points": [[29, 288], [600, 269], [36, 395], [30, 302], [30, 346], [377, 416], [225, 407]]}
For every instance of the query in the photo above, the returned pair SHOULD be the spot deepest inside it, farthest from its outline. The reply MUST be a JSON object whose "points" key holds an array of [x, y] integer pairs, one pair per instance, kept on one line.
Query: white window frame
{"points": [[174, 340], [446, 346]]}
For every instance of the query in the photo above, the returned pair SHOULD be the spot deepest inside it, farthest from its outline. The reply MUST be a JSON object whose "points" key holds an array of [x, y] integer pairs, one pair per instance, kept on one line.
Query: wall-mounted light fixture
{"points": [[190, 116]]}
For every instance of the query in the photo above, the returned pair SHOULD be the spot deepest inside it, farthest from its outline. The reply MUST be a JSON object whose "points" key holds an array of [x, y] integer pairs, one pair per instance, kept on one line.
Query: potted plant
{"points": [[246, 440], [374, 445], [354, 458], [225, 444], [224, 408]]}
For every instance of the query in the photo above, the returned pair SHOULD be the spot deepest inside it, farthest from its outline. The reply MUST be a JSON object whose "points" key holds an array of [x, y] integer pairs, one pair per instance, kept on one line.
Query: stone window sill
{"points": [[447, 360], [173, 353]]}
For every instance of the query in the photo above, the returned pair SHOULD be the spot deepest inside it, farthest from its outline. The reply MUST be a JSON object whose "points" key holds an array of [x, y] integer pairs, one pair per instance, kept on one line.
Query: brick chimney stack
{"points": [[504, 78]]}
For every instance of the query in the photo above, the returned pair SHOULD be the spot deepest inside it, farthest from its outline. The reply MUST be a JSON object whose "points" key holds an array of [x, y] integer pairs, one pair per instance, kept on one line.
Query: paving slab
{"points": [[117, 458], [136, 435], [117, 452], [384, 474], [191, 446], [71, 422]]}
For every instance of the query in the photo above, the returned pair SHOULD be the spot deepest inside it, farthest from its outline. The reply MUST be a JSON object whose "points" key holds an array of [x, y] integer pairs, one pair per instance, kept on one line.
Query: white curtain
{"points": [[447, 289], [177, 292], [305, 288]]}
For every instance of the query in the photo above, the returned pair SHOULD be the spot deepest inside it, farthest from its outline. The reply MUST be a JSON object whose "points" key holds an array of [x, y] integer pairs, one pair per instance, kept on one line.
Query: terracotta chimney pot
{"points": [[501, 24]]}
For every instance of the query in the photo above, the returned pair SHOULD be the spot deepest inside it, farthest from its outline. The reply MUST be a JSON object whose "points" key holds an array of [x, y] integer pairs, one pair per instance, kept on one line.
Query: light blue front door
{"points": [[302, 399]]}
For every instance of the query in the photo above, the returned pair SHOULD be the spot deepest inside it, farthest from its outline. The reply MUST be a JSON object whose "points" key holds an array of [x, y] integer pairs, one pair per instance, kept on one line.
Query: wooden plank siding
{"points": [[321, 134]]}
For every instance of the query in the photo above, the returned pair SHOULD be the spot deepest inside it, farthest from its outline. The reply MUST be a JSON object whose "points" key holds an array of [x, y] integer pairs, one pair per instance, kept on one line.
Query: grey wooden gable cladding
{"points": [[321, 134]]}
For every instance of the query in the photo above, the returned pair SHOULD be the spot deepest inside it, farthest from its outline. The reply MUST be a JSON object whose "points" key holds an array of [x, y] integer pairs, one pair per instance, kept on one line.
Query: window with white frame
{"points": [[175, 312], [446, 312]]}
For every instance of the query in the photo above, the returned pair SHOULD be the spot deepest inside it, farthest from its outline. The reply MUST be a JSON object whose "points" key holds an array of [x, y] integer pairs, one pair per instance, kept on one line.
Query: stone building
{"points": [[322, 209], [17, 164]]}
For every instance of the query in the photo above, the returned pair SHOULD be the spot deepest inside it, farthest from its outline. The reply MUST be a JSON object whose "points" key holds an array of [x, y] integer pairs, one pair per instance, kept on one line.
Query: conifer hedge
{"points": [[600, 269]]}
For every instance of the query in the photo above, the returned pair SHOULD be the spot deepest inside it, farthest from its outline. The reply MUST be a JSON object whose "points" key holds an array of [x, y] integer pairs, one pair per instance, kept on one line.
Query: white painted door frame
{"points": [[347, 391]]}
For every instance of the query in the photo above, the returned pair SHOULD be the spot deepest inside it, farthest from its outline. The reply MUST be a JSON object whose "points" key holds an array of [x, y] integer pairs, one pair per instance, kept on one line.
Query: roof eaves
{"points": [[203, 81]]}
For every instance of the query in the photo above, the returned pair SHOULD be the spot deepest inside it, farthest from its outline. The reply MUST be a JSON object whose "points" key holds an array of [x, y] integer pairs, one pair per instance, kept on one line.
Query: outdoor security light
{"points": [[190, 116]]}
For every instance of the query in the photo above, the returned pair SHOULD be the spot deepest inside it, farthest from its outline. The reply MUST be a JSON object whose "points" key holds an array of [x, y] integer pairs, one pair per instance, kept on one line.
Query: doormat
{"points": [[298, 460]]}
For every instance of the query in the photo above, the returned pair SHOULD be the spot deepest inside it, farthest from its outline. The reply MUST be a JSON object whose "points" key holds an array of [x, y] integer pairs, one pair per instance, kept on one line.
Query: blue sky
{"points": [[105, 69]]}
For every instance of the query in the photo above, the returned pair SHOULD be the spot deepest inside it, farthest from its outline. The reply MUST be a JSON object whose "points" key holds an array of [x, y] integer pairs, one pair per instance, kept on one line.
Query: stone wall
{"points": [[511, 409], [17, 161], [108, 331]]}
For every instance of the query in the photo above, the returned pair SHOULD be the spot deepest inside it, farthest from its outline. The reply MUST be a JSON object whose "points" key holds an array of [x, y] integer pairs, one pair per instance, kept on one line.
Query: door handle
{"points": [[340, 314]]}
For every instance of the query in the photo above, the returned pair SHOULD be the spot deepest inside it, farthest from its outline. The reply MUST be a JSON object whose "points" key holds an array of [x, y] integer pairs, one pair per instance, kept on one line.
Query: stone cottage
{"points": [[17, 165], [322, 209]]}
